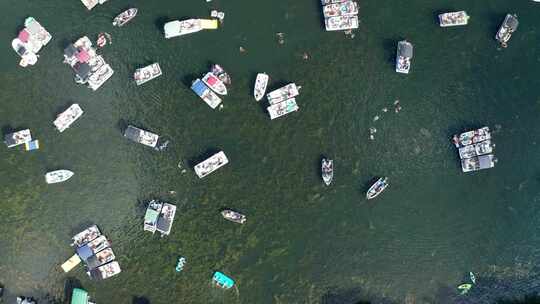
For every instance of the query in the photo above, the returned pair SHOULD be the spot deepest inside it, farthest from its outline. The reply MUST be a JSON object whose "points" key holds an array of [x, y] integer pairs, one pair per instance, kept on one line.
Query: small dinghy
{"points": [[234, 216], [327, 171], [103, 39], [180, 265], [260, 86], [58, 176], [221, 74], [377, 188], [124, 17], [214, 83]]}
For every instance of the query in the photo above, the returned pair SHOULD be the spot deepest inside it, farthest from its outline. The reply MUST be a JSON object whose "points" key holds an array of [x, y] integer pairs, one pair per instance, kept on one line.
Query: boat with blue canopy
{"points": [[222, 280]]}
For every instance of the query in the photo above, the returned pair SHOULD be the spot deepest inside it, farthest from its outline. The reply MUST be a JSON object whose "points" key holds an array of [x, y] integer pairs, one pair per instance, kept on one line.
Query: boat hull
{"points": [[214, 83], [327, 171], [234, 216], [261, 83], [58, 176], [377, 188], [125, 17]]}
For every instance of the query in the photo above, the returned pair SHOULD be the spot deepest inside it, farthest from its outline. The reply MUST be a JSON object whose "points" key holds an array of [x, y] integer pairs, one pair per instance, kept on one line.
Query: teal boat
{"points": [[222, 280], [180, 264], [79, 296]]}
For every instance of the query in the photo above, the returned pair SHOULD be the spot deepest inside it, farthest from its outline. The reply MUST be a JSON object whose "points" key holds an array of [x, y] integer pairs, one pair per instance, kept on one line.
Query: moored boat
{"points": [[233, 216], [18, 138], [346, 8], [147, 73], [221, 74], [261, 83], [85, 236], [471, 137], [404, 54], [326, 2], [178, 28], [478, 163], [508, 27], [377, 188], [481, 148], [453, 19], [58, 176], [221, 280], [214, 83], [30, 41], [101, 258], [124, 17], [205, 93], [341, 23], [98, 244], [141, 136], [65, 119], [327, 171], [105, 271], [287, 92], [283, 108], [211, 164]]}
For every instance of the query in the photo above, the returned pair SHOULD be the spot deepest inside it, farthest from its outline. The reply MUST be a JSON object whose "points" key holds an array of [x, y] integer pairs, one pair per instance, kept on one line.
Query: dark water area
{"points": [[303, 242]]}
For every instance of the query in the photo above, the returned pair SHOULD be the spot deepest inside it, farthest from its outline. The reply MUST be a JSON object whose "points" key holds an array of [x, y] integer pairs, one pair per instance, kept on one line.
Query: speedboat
{"points": [[346, 8], [287, 92], [58, 176], [261, 82], [327, 171], [204, 92], [481, 148], [471, 137], [508, 27], [105, 271], [341, 23], [85, 236], [233, 216], [211, 164], [478, 163], [147, 73], [68, 117], [124, 17], [453, 19], [403, 57], [214, 83], [377, 188], [283, 108], [141, 136], [178, 28], [221, 74]]}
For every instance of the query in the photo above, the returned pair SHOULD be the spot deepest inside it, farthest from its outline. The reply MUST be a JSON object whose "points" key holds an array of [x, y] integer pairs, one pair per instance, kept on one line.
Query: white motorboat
{"points": [[453, 19], [147, 73], [214, 83], [377, 188], [481, 148], [211, 164], [327, 171], [141, 136], [403, 57], [471, 137], [341, 23], [85, 236], [287, 92], [283, 108], [124, 17], [346, 8], [234, 216], [221, 74], [261, 83], [30, 41], [58, 176], [105, 271], [508, 27], [18, 138], [478, 163], [178, 28], [65, 119], [326, 2], [204, 92]]}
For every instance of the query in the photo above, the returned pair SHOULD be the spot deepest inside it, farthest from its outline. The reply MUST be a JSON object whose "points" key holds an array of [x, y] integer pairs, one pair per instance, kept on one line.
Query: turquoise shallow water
{"points": [[303, 243]]}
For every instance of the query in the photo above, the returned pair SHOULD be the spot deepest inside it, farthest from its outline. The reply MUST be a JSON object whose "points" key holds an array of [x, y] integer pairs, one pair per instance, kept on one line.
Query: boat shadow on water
{"points": [[389, 47], [188, 79], [160, 22]]}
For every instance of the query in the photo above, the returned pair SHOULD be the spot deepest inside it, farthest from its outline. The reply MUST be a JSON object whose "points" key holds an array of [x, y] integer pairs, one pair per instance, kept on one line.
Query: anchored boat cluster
{"points": [[340, 15], [475, 149]]}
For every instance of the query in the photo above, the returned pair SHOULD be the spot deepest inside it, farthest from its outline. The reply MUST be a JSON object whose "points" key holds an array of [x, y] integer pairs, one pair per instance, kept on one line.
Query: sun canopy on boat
{"points": [[512, 23], [199, 87], [84, 252], [222, 280], [406, 50], [485, 161], [79, 296], [70, 50], [151, 216]]}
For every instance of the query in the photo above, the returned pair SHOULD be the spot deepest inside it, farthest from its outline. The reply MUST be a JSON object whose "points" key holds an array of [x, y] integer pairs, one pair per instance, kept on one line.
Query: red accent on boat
{"points": [[212, 80], [23, 36], [83, 56]]}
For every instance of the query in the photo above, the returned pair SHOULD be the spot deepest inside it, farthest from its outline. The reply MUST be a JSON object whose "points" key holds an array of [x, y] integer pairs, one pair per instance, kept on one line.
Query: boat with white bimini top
{"points": [[211, 164], [141, 136], [98, 244], [471, 137], [341, 23], [221, 74], [326, 2], [261, 83], [58, 176], [105, 271], [178, 28], [508, 27], [68, 117], [124, 17], [85, 236], [18, 138], [481, 148], [287, 92], [159, 217], [233, 216], [404, 54], [30, 41], [346, 8], [478, 163], [204, 92], [101, 258], [283, 108], [327, 171], [214, 83], [453, 19], [147, 73], [377, 188]]}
